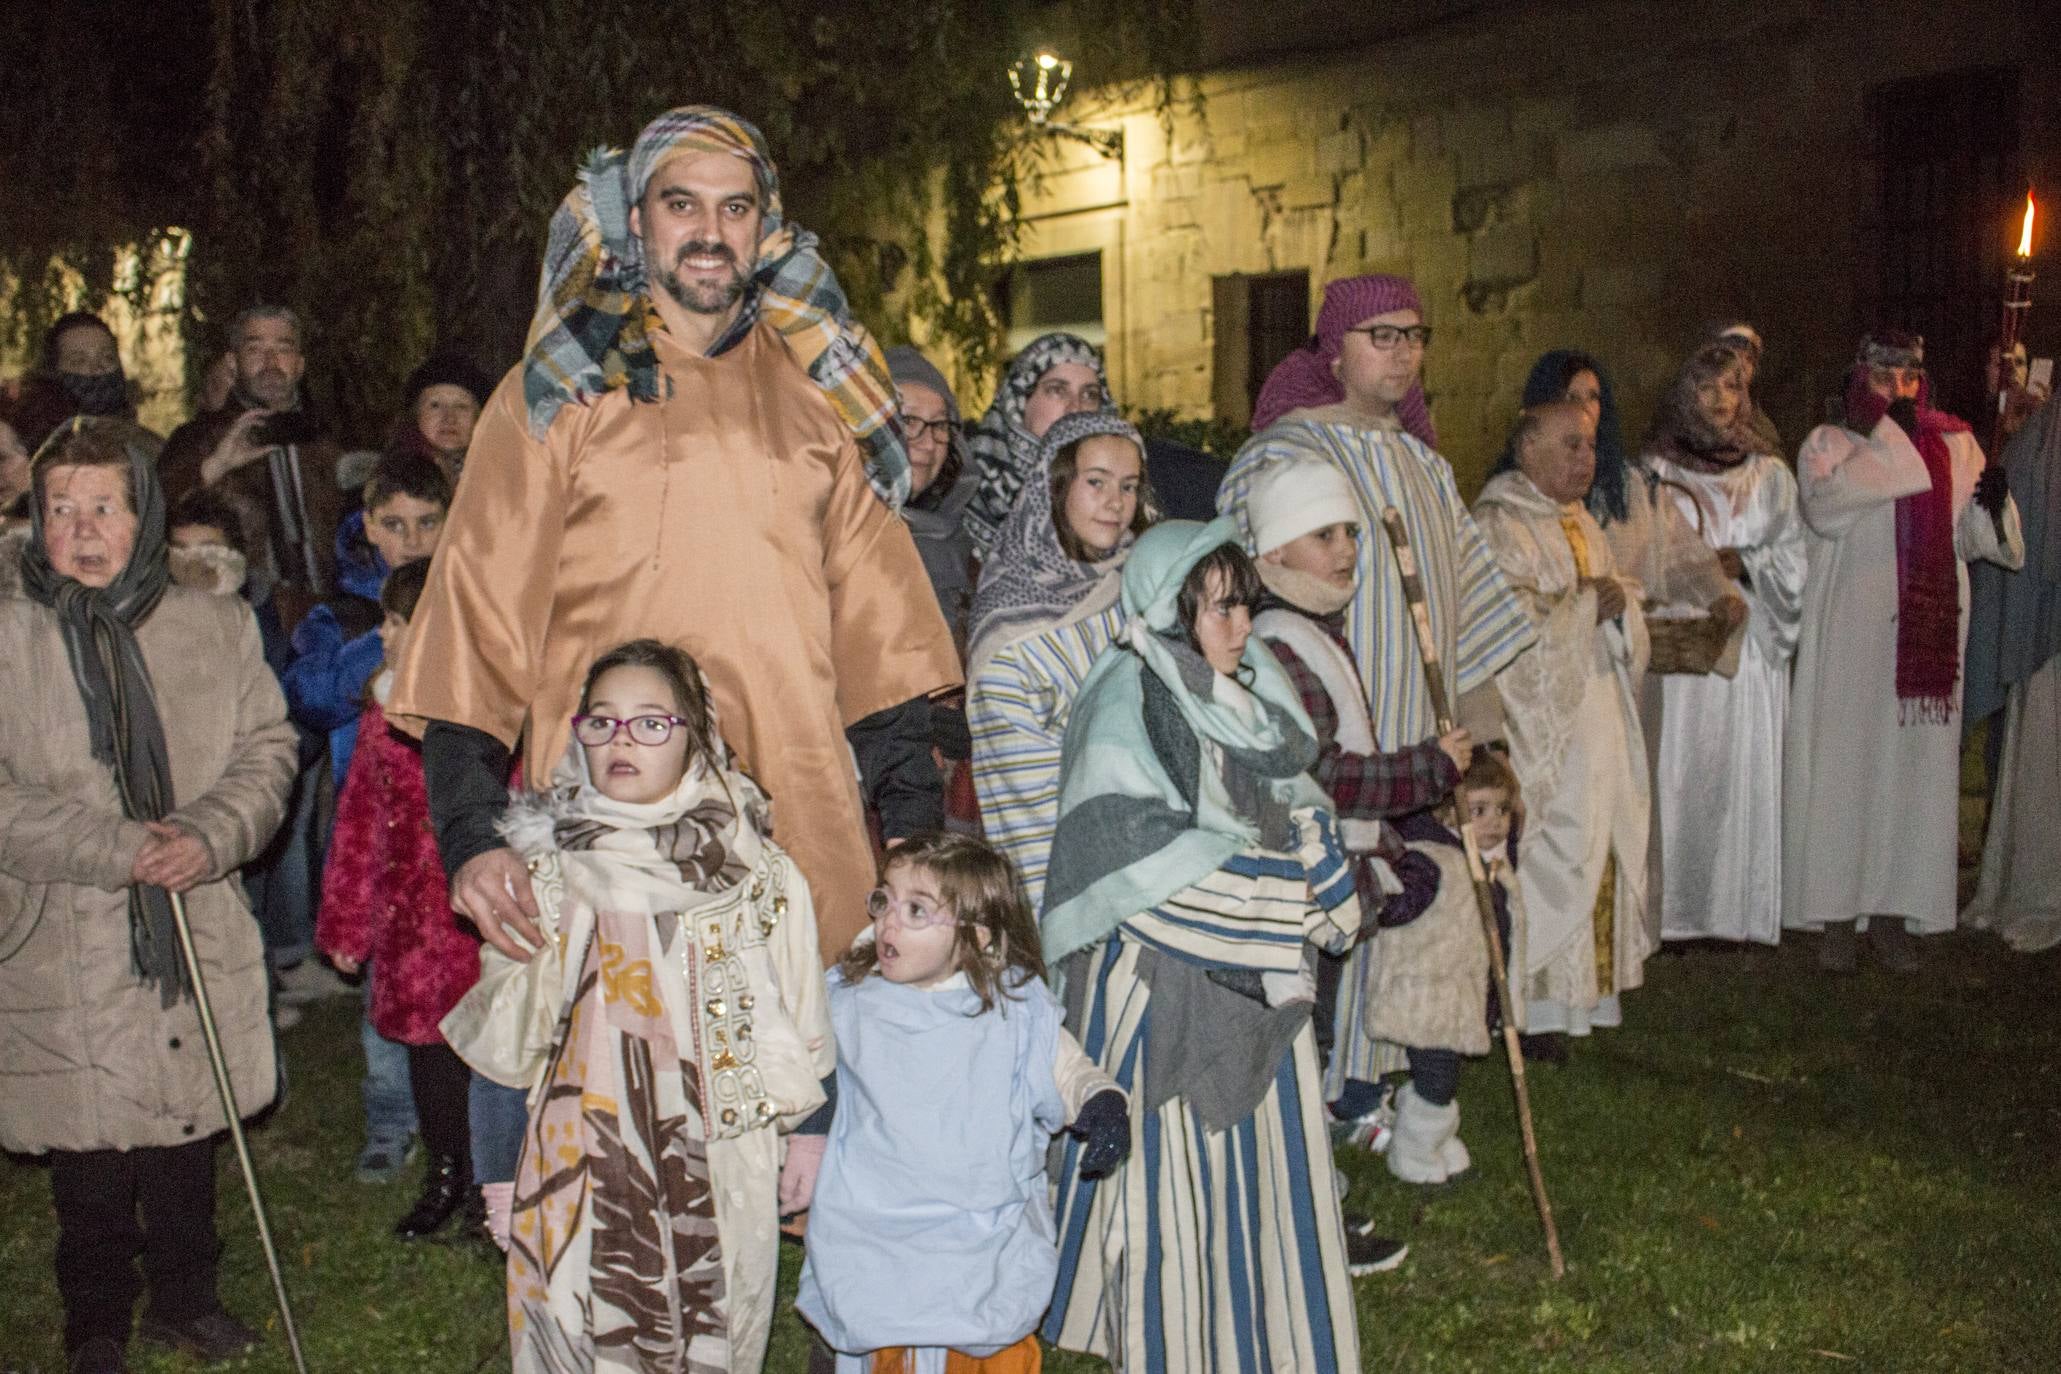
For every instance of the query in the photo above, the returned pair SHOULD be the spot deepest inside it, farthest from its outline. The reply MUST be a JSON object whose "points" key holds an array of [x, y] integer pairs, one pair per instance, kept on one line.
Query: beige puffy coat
{"points": [[1432, 975], [88, 1057]]}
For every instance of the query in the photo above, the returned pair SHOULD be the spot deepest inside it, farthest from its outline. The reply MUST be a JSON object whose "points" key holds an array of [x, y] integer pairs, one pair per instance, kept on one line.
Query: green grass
{"points": [[1765, 1171]]}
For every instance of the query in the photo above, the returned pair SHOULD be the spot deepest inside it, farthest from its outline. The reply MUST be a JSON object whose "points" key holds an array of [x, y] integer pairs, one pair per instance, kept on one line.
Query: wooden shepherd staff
{"points": [[1441, 706]]}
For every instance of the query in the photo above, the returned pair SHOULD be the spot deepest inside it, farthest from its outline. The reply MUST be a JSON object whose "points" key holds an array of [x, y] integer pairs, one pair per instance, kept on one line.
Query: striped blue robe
{"points": [[1207, 1250], [1477, 625], [1016, 710]]}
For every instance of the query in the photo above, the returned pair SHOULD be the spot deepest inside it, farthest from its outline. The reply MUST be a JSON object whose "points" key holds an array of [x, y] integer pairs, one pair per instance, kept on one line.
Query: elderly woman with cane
{"points": [[144, 756]]}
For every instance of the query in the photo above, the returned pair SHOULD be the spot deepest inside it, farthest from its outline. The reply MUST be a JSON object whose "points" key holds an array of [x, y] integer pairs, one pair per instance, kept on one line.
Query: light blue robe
{"points": [[931, 1224]]}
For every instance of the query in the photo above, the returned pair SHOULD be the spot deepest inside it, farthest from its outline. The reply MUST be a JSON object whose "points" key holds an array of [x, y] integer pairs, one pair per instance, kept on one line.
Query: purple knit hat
{"points": [[1304, 378]]}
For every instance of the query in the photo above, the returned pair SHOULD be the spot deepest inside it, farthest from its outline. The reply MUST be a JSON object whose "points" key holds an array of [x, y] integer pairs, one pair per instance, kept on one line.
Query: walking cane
{"points": [[1434, 682], [228, 1093]]}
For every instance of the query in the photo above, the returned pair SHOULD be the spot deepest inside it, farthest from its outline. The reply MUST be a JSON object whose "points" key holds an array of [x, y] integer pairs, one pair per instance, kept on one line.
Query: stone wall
{"points": [[1602, 175]]}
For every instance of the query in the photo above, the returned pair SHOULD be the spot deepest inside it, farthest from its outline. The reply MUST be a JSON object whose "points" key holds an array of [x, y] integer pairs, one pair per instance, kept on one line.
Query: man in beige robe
{"points": [[1574, 730], [715, 472]]}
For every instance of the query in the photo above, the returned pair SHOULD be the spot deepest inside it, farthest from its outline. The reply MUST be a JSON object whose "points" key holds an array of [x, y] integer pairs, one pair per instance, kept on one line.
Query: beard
{"points": [[704, 298], [273, 389]]}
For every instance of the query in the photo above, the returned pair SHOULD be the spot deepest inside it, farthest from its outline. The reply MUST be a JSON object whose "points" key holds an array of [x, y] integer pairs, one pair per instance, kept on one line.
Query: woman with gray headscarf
{"points": [[1056, 374], [941, 482], [144, 751], [1047, 606]]}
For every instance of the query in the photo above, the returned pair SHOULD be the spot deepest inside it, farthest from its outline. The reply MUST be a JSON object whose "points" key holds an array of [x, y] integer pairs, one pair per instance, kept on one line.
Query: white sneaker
{"points": [[1371, 1130]]}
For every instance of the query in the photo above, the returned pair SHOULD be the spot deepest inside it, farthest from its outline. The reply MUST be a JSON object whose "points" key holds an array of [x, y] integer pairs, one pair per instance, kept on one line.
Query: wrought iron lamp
{"points": [[1039, 83]]}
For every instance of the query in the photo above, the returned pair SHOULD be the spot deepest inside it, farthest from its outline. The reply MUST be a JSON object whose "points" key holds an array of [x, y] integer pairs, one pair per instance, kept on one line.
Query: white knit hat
{"points": [[1291, 498]]}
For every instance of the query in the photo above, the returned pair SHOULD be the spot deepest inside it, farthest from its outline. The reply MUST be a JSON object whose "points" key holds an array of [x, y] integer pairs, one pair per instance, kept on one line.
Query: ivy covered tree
{"points": [[388, 166]]}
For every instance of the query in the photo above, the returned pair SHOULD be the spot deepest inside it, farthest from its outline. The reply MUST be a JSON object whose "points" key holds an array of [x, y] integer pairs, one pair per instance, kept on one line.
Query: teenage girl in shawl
{"points": [[1047, 605], [955, 1073], [694, 1032], [1195, 866]]}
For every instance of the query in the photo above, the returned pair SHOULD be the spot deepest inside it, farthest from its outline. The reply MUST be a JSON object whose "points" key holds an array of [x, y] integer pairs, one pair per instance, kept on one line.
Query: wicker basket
{"points": [[1687, 643]]}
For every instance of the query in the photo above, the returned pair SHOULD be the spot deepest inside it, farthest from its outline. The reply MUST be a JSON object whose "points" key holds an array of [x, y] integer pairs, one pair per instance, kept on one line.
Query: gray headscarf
{"points": [[99, 627], [1029, 583], [1004, 452], [936, 515]]}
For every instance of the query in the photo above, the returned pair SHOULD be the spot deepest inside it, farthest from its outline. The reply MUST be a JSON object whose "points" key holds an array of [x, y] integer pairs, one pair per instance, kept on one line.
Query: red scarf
{"points": [[1928, 584]]}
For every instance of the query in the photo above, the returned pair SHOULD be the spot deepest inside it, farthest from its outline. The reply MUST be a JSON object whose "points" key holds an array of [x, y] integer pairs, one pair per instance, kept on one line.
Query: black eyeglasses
{"points": [[1385, 337], [915, 427]]}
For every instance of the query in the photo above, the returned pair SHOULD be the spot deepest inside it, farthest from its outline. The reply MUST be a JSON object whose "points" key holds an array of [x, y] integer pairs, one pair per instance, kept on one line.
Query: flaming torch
{"points": [[2017, 301]]}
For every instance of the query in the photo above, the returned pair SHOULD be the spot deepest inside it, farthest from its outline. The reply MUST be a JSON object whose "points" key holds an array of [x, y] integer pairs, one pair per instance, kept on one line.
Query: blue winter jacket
{"points": [[325, 682]]}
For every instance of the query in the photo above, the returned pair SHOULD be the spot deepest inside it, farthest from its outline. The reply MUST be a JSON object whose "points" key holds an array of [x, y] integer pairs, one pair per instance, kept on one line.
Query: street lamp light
{"points": [[1039, 84]]}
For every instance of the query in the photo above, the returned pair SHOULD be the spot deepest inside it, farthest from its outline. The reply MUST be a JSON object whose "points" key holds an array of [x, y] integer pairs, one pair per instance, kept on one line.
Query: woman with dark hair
{"points": [[144, 751], [1567, 374], [1194, 866], [78, 372], [1047, 605], [1717, 740]]}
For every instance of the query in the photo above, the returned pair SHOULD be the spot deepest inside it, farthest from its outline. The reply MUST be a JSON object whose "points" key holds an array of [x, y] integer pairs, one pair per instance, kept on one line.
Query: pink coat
{"points": [[383, 892]]}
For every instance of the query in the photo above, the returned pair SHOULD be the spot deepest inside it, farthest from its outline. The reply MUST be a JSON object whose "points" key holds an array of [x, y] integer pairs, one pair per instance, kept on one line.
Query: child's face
{"points": [[1103, 498], [393, 636], [622, 769], [1222, 626], [196, 536], [920, 955], [1488, 817], [404, 529], [1331, 553]]}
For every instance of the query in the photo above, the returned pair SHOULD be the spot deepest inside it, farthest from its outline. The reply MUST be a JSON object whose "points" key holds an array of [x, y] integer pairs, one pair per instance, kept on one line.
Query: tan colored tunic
{"points": [[733, 518]]}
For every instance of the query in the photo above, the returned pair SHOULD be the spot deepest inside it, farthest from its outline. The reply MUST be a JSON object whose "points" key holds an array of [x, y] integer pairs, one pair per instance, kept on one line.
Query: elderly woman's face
{"points": [[89, 528]]}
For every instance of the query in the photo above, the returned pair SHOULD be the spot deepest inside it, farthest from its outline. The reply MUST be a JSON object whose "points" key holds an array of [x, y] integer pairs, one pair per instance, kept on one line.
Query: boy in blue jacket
{"points": [[337, 649]]}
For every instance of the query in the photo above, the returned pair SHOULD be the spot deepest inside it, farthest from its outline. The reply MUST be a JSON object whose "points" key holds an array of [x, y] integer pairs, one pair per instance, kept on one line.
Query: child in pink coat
{"points": [[384, 903]]}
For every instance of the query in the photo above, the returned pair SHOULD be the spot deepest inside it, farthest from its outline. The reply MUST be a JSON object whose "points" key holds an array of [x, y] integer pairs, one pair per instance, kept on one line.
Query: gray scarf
{"points": [[99, 626]]}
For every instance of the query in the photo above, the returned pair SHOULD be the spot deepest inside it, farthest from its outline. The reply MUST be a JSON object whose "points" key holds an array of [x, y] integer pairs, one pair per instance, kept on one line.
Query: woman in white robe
{"points": [[1717, 786]]}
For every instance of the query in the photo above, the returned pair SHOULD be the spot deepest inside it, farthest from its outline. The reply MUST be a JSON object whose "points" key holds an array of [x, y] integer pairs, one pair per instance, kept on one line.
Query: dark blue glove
{"points": [[1992, 489], [1420, 877], [1104, 1127]]}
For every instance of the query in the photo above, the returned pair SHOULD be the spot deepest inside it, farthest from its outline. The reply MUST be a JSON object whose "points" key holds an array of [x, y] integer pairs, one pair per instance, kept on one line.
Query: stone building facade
{"points": [[1592, 173]]}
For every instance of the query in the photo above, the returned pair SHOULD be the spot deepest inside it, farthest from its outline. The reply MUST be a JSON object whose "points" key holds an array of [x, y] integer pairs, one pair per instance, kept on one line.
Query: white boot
{"points": [[1451, 1152], [1421, 1131]]}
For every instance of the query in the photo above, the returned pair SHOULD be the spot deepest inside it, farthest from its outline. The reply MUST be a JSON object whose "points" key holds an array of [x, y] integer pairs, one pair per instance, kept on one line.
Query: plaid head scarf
{"points": [[592, 329]]}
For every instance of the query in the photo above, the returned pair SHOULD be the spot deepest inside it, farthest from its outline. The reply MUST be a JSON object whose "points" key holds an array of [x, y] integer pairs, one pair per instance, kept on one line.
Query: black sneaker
{"points": [[1367, 1253], [210, 1338], [101, 1355]]}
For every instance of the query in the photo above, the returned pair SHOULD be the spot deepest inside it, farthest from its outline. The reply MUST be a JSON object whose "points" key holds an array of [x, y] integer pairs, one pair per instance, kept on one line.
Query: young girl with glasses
{"points": [[672, 1033], [931, 1236]]}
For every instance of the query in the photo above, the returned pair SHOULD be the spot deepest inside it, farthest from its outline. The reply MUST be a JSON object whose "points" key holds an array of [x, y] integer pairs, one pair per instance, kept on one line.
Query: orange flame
{"points": [[2025, 233]]}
